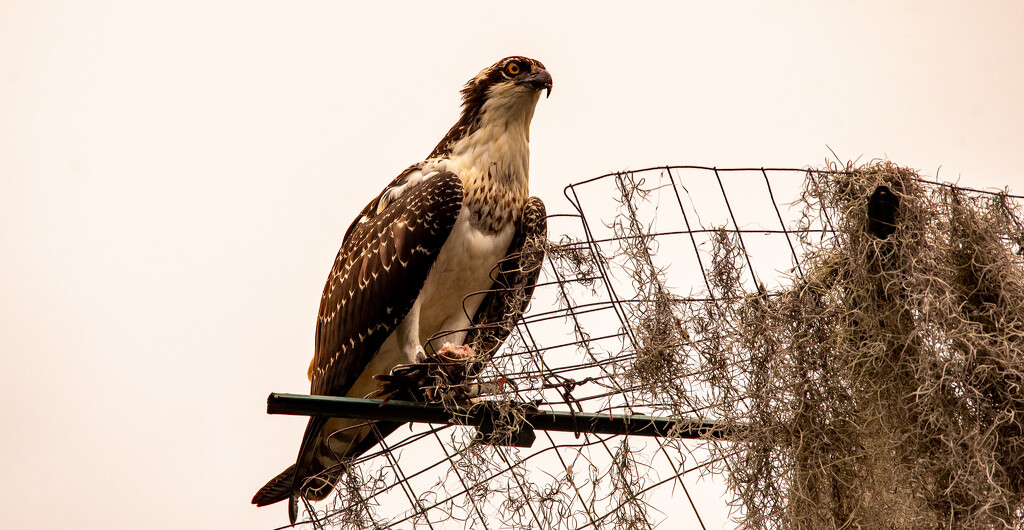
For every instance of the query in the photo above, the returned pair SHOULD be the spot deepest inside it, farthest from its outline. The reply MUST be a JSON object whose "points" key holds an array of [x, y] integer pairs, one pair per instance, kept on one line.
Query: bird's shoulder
{"points": [[406, 180]]}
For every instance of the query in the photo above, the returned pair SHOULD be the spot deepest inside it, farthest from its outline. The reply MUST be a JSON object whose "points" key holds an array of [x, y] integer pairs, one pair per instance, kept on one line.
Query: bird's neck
{"points": [[493, 161]]}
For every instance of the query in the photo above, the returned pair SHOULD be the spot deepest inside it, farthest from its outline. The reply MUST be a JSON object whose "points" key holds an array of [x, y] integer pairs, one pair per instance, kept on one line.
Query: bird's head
{"points": [[500, 99], [509, 87], [510, 77]]}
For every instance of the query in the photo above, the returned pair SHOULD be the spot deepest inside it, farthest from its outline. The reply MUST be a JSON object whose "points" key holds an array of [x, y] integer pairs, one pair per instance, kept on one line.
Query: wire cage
{"points": [[643, 311]]}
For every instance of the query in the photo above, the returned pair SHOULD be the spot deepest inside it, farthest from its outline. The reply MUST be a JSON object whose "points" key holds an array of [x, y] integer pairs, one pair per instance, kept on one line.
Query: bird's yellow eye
{"points": [[512, 68]]}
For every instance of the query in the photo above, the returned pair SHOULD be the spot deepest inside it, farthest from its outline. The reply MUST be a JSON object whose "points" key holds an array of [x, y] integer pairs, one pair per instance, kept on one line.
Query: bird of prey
{"points": [[447, 251]]}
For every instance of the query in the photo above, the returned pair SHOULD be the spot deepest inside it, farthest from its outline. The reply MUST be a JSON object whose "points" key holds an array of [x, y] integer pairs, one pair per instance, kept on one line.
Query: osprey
{"points": [[447, 252]]}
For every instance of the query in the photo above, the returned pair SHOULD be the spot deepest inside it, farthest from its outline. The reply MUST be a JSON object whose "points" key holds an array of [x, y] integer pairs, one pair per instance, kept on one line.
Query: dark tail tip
{"points": [[278, 489]]}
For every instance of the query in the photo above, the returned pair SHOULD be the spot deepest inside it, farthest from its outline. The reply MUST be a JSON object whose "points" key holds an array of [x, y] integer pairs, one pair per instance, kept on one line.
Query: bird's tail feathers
{"points": [[277, 489]]}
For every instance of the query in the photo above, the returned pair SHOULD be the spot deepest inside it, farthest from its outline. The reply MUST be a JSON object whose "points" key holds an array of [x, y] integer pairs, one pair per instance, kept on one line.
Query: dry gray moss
{"points": [[885, 388]]}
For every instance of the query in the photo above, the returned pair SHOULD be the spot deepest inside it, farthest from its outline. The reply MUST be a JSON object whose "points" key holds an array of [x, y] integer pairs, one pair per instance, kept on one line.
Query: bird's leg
{"points": [[409, 335], [444, 371], [411, 375]]}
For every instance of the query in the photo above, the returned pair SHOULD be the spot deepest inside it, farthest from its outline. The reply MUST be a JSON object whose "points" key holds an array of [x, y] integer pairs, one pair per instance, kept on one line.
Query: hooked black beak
{"points": [[540, 79]]}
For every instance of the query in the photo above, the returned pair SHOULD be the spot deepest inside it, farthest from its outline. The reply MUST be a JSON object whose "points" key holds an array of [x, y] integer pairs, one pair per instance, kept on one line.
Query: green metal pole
{"points": [[481, 415]]}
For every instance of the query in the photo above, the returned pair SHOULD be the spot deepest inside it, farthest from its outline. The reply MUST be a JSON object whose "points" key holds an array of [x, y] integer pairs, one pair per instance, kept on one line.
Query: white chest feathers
{"points": [[460, 275]]}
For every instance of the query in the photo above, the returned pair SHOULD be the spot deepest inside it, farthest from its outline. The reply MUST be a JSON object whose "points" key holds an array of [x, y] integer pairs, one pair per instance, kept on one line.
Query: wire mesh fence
{"points": [[642, 309]]}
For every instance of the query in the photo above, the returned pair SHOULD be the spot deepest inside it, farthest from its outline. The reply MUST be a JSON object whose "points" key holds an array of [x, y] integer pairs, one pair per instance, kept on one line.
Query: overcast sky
{"points": [[175, 179]]}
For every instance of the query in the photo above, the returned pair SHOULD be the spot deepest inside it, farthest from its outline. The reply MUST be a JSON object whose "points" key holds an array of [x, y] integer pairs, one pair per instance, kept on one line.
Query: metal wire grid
{"points": [[635, 237]]}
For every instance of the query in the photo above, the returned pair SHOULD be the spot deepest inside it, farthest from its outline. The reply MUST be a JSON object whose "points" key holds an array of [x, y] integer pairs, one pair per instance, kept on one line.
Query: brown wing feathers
{"points": [[375, 279]]}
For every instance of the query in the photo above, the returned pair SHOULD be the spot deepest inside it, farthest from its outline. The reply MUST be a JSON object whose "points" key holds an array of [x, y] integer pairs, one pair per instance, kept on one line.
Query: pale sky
{"points": [[176, 177]]}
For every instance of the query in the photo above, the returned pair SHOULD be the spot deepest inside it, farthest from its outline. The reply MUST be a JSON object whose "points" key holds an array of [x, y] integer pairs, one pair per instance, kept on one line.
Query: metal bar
{"points": [[481, 415]]}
